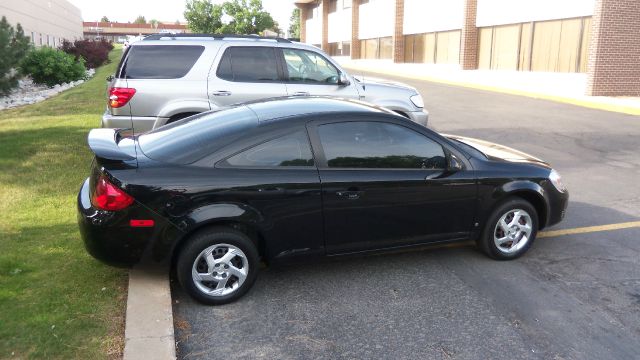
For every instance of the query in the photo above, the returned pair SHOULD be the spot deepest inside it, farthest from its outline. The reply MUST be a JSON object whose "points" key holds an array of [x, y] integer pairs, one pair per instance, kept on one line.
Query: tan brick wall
{"points": [[304, 14], [469, 36], [324, 10], [355, 26], [398, 33], [614, 50]]}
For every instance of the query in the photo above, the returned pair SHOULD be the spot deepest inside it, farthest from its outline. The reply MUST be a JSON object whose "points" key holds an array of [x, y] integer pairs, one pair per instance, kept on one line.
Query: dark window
{"points": [[379, 145], [160, 61], [333, 5], [248, 64], [288, 150], [309, 67], [188, 140]]}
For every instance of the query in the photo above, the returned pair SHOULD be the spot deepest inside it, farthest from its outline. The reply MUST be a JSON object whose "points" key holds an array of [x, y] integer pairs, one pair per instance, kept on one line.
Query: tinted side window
{"points": [[160, 61], [379, 145], [288, 150], [309, 67], [248, 64]]}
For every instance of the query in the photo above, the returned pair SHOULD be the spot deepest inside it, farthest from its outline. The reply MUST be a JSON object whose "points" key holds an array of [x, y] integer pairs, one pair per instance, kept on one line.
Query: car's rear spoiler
{"points": [[105, 143]]}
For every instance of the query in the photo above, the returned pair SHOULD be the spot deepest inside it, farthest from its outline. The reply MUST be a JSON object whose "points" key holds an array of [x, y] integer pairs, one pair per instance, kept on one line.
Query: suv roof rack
{"points": [[215, 37]]}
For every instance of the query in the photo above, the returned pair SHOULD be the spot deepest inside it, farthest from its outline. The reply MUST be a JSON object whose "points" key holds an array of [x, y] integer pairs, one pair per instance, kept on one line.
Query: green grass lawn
{"points": [[55, 300]]}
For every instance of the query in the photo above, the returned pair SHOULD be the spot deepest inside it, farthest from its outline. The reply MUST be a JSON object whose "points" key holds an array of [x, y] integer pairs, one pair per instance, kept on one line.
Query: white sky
{"points": [[167, 11]]}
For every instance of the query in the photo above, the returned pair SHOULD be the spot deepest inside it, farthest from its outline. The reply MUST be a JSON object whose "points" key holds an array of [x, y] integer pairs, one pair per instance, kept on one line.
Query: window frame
{"points": [[224, 164], [278, 58], [285, 70], [321, 159]]}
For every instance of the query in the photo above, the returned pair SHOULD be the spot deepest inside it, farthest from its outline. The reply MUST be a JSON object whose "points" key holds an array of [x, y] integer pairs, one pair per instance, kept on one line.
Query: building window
{"points": [[340, 48], [378, 48], [33, 38], [432, 48], [333, 5]]}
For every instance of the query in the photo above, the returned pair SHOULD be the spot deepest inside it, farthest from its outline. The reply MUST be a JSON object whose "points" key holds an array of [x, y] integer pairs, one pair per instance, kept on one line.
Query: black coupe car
{"points": [[216, 193]]}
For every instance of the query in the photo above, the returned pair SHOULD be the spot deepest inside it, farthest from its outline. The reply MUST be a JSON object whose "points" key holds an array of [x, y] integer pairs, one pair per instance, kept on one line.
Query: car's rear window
{"points": [[188, 140], [159, 61]]}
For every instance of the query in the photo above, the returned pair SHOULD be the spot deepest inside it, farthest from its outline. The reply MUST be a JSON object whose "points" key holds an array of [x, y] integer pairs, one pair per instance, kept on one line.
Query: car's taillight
{"points": [[107, 196], [119, 97]]}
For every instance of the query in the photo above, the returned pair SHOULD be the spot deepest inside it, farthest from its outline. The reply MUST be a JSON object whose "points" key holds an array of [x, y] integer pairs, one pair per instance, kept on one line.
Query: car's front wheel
{"points": [[510, 230], [217, 266]]}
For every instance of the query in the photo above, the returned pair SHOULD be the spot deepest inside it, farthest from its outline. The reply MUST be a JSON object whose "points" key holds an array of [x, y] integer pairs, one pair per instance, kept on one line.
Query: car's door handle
{"points": [[350, 195], [301, 93], [221, 93]]}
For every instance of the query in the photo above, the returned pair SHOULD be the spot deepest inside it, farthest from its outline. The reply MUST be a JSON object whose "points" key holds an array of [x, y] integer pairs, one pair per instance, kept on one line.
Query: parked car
{"points": [[299, 178], [165, 78]]}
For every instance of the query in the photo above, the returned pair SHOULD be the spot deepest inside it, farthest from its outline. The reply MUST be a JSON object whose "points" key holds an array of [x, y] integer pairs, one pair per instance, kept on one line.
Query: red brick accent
{"points": [[355, 29], [398, 33], [614, 50], [325, 26], [469, 36]]}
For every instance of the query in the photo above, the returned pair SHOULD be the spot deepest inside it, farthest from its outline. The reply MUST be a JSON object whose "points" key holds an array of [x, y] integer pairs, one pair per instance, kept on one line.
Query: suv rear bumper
{"points": [[140, 123], [421, 117]]}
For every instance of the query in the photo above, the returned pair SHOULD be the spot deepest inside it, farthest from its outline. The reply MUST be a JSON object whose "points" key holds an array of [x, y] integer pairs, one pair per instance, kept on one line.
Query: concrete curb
{"points": [[149, 323], [594, 103]]}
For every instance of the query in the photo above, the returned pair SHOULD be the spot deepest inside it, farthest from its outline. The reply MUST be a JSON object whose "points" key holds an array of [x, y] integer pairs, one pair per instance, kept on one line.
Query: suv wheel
{"points": [[510, 230], [218, 266]]}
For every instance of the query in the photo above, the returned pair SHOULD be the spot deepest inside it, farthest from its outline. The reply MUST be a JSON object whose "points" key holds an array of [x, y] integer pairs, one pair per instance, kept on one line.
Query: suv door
{"points": [[245, 73], [309, 73], [386, 185]]}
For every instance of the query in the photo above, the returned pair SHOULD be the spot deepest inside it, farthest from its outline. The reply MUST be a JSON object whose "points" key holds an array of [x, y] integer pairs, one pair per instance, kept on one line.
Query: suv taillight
{"points": [[119, 97], [107, 196]]}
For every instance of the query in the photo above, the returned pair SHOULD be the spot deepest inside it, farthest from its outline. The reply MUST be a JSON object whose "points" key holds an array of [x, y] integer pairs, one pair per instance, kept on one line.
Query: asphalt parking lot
{"points": [[572, 296]]}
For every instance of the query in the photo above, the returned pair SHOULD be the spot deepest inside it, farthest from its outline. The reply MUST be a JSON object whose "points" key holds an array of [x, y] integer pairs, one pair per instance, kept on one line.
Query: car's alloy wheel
{"points": [[220, 269], [510, 229], [217, 265], [513, 231]]}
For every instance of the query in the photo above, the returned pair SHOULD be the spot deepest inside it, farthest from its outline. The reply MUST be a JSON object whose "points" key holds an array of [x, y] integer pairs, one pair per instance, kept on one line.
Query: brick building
{"points": [[597, 37], [47, 23], [115, 31]]}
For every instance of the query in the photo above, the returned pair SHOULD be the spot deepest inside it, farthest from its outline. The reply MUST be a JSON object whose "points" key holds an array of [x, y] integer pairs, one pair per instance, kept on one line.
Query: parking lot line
{"points": [[589, 229]]}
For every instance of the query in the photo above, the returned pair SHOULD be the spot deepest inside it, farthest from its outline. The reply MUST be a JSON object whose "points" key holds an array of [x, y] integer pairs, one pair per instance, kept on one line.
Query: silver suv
{"points": [[164, 78]]}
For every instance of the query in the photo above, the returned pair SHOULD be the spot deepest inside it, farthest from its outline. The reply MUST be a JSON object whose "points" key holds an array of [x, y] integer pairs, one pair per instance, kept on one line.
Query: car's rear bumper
{"points": [[421, 117], [140, 124], [108, 235]]}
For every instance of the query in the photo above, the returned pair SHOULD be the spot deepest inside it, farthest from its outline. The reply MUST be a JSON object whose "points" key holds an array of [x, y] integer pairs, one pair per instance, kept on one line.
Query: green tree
{"points": [[294, 24], [104, 19], [140, 20], [154, 23], [14, 45], [244, 17]]}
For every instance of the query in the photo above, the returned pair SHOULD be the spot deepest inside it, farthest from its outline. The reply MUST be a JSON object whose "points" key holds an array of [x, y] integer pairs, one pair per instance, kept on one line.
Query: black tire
{"points": [[205, 239], [486, 241]]}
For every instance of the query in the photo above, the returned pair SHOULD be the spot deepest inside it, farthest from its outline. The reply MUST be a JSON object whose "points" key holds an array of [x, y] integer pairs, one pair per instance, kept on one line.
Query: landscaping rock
{"points": [[29, 93]]}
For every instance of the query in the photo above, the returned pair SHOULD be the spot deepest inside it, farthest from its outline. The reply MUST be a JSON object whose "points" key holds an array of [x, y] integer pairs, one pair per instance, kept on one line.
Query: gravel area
{"points": [[28, 92]]}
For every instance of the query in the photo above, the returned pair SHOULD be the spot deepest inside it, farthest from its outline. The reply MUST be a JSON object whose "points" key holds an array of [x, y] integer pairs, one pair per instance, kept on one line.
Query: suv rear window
{"points": [[249, 64], [191, 139], [160, 61]]}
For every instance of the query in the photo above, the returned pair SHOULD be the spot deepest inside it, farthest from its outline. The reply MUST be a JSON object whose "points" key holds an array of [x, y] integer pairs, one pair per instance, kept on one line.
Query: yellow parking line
{"points": [[589, 229]]}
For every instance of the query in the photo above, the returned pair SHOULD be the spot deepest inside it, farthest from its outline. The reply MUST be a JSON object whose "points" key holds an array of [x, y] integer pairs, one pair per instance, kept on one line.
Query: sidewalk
{"points": [[562, 87]]}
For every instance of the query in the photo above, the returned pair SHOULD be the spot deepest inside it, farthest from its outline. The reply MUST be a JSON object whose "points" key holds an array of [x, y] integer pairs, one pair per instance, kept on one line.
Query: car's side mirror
{"points": [[455, 164], [343, 80]]}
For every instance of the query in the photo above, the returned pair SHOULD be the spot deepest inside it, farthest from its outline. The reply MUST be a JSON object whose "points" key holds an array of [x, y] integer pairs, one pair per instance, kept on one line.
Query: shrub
{"points": [[50, 66], [13, 47], [94, 53]]}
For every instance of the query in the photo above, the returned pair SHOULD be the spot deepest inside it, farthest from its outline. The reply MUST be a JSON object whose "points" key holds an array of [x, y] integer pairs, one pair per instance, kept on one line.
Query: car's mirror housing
{"points": [[455, 164], [343, 80]]}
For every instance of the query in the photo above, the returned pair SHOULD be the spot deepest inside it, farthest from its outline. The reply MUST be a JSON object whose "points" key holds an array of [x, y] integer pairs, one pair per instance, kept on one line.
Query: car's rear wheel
{"points": [[217, 266], [510, 230]]}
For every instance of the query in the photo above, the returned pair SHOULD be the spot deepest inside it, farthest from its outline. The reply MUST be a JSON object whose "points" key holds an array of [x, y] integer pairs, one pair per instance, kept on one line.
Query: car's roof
{"points": [[287, 107], [217, 42]]}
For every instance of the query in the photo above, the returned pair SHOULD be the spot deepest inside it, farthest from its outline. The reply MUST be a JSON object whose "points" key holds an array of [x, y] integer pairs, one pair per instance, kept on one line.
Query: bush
{"points": [[13, 47], [94, 53], [50, 66]]}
